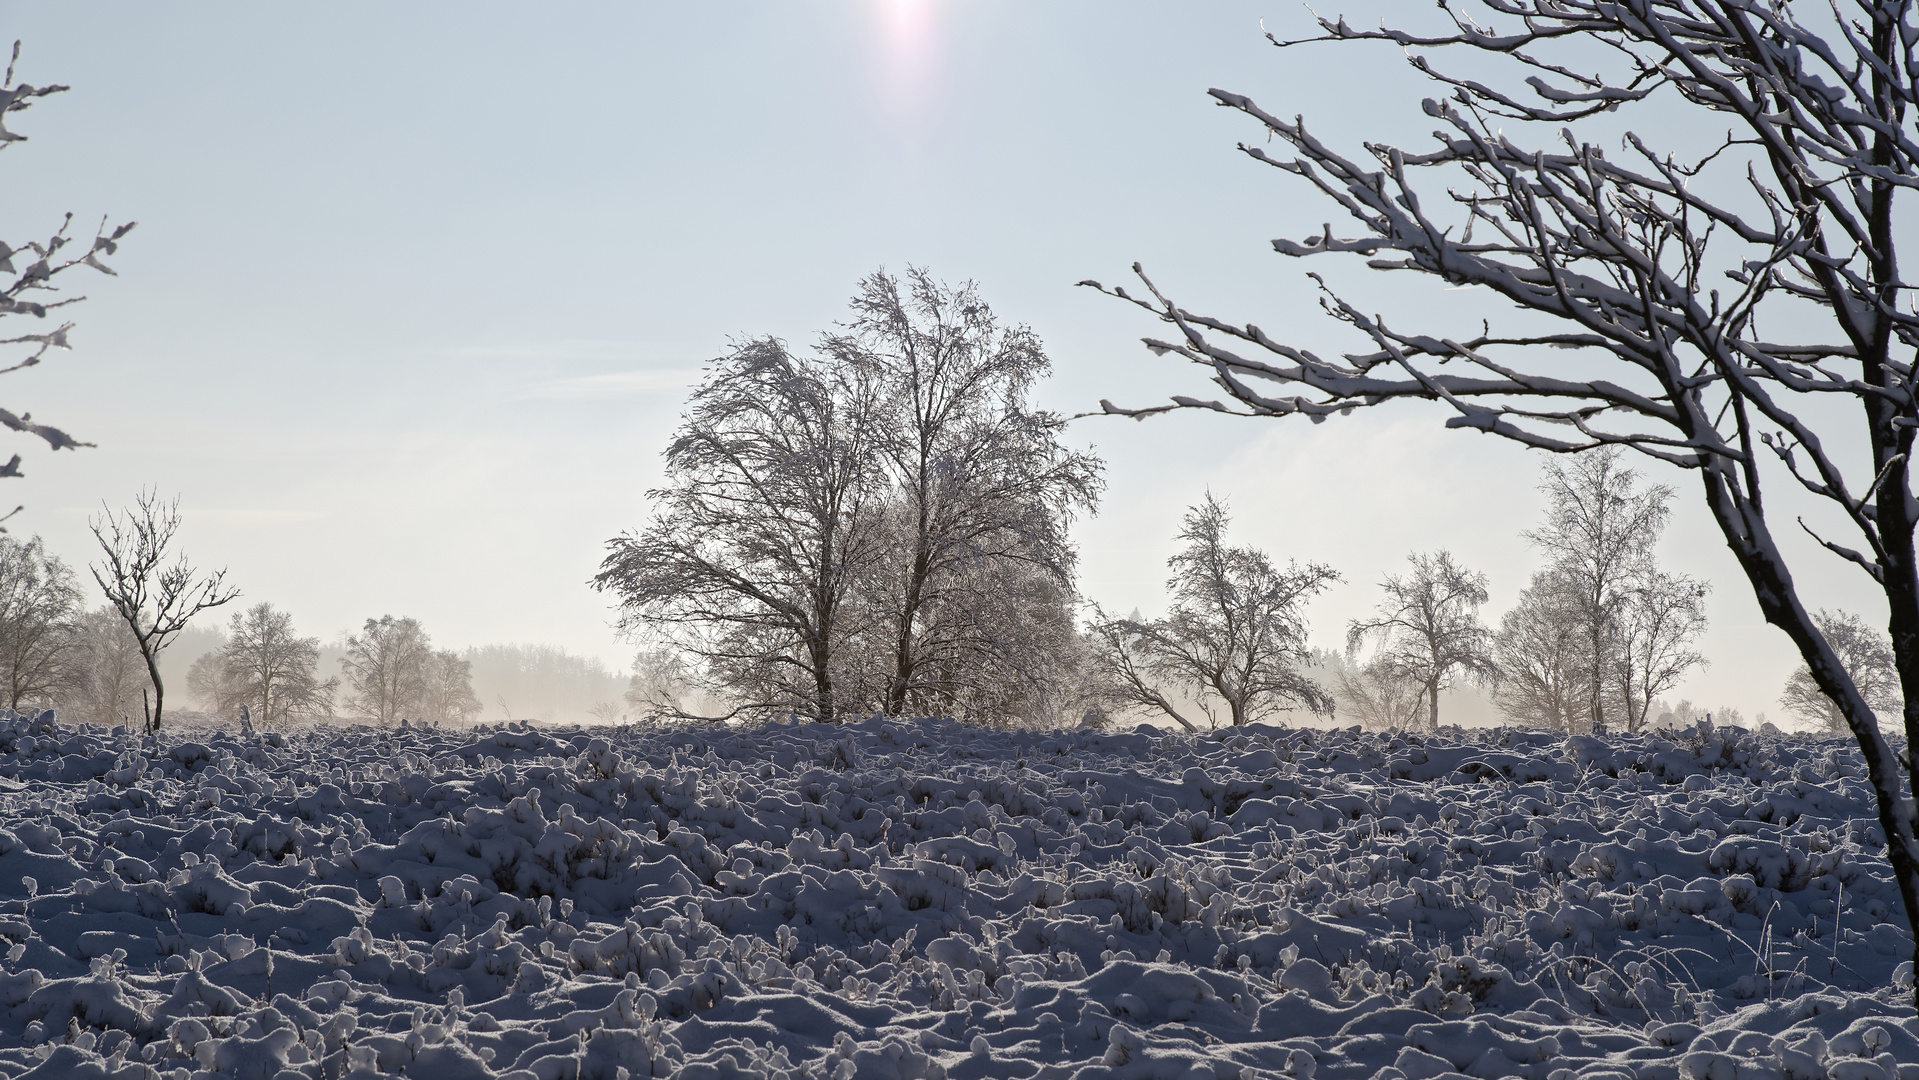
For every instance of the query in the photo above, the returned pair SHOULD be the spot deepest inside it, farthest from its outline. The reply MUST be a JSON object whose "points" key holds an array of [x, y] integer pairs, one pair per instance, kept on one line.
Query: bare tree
{"points": [[32, 288], [155, 597], [386, 668], [1123, 655], [111, 670], [660, 683], [1658, 271], [1234, 639], [446, 695], [268, 666], [216, 685], [1428, 628], [1377, 694], [1545, 668], [1002, 648], [1599, 533], [763, 532], [1866, 653], [1659, 618], [978, 483], [39, 631]]}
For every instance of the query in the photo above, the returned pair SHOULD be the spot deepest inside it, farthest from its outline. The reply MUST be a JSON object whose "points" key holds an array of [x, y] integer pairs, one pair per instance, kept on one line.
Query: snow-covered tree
{"points": [[1866, 652], [387, 668], [1234, 639], [39, 631], [878, 525], [1731, 305], [32, 290], [978, 487], [1428, 630], [1636, 623], [764, 532], [1651, 645], [1599, 532]]}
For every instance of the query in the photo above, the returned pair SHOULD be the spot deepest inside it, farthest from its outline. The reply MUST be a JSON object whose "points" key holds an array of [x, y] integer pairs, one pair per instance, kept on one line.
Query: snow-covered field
{"points": [[918, 899]]}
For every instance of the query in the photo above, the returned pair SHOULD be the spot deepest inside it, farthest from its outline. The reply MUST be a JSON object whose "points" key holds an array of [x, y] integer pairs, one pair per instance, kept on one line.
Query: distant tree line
{"points": [[881, 525]]}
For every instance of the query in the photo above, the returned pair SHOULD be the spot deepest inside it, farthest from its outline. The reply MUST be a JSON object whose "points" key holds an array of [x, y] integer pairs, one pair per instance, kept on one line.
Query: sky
{"points": [[418, 290]]}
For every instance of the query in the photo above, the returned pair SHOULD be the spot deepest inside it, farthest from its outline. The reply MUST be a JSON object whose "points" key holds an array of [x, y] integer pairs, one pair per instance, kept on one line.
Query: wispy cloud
{"points": [[565, 349], [615, 384], [249, 516]]}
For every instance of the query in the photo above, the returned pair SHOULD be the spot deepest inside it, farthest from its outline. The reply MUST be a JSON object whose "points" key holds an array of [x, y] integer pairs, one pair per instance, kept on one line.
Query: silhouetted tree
{"points": [[759, 541], [386, 668], [1234, 639], [39, 631], [155, 597], [1866, 652], [1654, 272], [1428, 629], [32, 290]]}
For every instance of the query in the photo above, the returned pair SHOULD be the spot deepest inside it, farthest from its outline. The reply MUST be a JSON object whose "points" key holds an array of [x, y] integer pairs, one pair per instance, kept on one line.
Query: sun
{"points": [[907, 52]]}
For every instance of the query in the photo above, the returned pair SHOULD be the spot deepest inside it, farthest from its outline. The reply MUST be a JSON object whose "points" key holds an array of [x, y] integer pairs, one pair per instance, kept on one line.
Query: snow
{"points": [[925, 899]]}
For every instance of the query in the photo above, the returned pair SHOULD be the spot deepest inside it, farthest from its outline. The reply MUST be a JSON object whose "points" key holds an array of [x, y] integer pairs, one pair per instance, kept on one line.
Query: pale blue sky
{"points": [[416, 287]]}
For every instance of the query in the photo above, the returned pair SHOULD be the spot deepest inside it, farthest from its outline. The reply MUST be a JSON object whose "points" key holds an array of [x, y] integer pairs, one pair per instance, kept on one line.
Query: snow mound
{"points": [[930, 901]]}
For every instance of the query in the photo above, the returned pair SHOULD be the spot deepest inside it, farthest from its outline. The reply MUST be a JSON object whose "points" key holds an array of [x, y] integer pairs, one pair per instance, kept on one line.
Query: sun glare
{"points": [[907, 56]]}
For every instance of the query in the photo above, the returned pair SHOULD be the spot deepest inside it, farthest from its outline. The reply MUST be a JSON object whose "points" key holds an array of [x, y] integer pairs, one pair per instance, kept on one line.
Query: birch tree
{"points": [[1661, 616], [1599, 533], [1732, 308], [1428, 630]]}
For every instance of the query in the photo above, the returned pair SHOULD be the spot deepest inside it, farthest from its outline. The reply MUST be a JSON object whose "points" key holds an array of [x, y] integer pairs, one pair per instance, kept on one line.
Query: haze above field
{"points": [[417, 291]]}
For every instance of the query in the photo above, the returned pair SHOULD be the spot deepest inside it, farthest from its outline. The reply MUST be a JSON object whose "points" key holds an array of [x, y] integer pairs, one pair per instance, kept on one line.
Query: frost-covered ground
{"points": [[925, 899]]}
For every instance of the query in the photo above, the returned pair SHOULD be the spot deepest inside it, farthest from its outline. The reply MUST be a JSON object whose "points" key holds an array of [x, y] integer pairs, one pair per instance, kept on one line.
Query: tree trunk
{"points": [[906, 657], [1432, 706], [1597, 633], [1746, 533], [159, 689]]}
